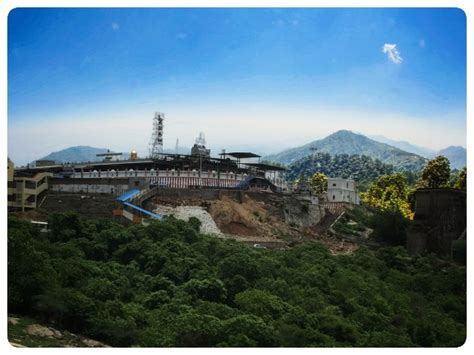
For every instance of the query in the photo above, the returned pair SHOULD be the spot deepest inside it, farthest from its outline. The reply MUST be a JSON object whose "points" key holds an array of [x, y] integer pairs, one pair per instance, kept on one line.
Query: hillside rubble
{"points": [[24, 332], [271, 221]]}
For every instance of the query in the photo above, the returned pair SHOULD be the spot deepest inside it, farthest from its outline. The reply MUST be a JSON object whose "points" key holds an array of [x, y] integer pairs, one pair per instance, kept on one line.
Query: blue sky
{"points": [[266, 79]]}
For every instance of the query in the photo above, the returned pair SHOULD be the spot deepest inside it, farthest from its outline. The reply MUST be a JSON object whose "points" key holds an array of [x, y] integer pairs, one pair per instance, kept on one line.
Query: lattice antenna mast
{"points": [[201, 140], [156, 142]]}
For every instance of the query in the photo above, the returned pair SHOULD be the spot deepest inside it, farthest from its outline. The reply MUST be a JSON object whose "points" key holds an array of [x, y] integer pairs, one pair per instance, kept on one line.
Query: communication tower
{"points": [[156, 142], [201, 140]]}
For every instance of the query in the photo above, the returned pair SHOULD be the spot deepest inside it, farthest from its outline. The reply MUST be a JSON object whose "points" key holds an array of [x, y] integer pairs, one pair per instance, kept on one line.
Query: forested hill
{"points": [[347, 142], [361, 168], [75, 154], [166, 285]]}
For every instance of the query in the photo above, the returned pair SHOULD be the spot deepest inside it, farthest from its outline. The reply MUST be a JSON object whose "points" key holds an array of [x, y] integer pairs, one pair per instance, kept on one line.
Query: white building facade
{"points": [[342, 190]]}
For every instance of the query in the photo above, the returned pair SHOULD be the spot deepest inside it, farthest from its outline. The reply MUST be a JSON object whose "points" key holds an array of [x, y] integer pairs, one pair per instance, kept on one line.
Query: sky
{"points": [[250, 79]]}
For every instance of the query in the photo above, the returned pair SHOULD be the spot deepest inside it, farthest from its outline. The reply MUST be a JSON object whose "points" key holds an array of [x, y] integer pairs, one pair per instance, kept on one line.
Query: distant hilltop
{"points": [[456, 155], [75, 154], [86, 153]]}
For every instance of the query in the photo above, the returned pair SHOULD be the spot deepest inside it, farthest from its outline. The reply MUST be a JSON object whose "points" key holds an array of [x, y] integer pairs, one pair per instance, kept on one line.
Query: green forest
{"points": [[167, 285], [361, 168]]}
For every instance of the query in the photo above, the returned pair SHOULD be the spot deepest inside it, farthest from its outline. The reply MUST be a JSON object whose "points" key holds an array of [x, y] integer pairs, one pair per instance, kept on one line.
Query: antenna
{"points": [[201, 140], [177, 146], [156, 141]]}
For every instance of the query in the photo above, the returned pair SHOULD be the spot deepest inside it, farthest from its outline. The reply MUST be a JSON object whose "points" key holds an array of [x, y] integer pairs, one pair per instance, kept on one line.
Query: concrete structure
{"points": [[440, 219], [342, 190], [24, 189]]}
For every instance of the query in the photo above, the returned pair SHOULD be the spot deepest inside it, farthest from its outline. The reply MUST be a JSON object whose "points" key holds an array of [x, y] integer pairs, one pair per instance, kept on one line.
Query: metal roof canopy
{"points": [[240, 155], [266, 167], [107, 154]]}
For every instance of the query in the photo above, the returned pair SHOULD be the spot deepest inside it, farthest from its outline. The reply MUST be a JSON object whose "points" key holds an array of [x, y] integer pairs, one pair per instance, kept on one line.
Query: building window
{"points": [[333, 184], [333, 197]]}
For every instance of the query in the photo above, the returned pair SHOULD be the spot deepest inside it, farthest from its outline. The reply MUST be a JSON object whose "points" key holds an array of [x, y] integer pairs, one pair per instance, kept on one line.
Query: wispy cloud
{"points": [[115, 26], [392, 53], [422, 43]]}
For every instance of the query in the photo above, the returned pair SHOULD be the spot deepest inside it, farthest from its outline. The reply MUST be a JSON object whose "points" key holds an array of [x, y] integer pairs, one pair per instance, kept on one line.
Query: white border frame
{"points": [[7, 5]]}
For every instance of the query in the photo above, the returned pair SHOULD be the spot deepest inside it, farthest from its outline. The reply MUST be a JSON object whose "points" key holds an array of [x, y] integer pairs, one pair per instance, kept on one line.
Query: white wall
{"points": [[90, 188], [342, 190]]}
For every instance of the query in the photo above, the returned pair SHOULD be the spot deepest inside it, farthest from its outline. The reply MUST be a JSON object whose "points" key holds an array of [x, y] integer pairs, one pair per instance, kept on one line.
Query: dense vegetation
{"points": [[167, 285], [361, 168], [390, 193]]}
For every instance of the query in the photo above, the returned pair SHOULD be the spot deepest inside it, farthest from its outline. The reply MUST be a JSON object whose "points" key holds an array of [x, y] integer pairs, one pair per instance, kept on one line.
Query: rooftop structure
{"points": [[240, 155], [108, 155]]}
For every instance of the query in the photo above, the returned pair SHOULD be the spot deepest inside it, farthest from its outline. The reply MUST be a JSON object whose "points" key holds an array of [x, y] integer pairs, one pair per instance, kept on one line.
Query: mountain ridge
{"points": [[75, 154], [405, 145], [457, 156]]}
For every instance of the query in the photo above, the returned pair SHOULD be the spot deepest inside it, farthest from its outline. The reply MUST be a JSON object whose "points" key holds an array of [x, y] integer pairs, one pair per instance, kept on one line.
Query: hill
{"points": [[86, 153], [406, 146], [456, 155], [347, 142], [78, 154], [75, 154]]}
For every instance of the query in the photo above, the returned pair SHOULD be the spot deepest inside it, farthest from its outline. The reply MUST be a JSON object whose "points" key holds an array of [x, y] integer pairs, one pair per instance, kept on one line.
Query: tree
{"points": [[260, 303], [319, 183], [462, 178], [436, 173], [389, 192], [389, 227]]}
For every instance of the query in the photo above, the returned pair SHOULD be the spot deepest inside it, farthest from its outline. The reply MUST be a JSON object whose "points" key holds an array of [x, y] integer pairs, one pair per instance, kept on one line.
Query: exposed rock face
{"points": [[302, 213], [208, 226], [23, 333], [39, 330], [93, 343], [13, 320], [273, 219]]}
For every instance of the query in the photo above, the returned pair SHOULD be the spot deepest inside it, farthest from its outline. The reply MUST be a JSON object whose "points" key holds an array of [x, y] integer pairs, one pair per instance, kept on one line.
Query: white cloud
{"points": [[392, 52], [115, 26]]}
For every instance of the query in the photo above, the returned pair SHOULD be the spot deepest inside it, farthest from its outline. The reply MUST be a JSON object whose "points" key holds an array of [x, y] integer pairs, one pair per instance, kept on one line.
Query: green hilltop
{"points": [[347, 142]]}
